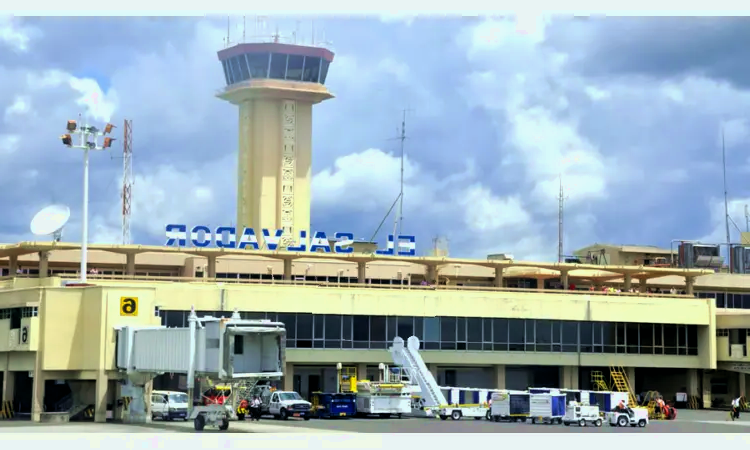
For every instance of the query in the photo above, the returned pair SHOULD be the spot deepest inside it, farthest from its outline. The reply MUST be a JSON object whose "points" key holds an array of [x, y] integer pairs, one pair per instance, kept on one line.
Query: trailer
{"points": [[547, 408], [330, 405], [582, 415], [513, 406], [391, 395], [607, 400]]}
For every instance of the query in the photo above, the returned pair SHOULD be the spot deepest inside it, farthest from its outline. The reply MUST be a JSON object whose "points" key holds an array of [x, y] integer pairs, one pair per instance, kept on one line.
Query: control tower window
{"points": [[242, 61], [258, 64], [226, 72], [324, 72], [236, 74], [278, 66], [294, 67], [312, 69]]}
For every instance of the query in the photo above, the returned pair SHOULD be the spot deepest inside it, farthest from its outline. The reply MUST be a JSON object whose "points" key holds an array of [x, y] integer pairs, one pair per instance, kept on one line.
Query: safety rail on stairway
{"points": [[407, 355], [64, 404], [620, 383]]}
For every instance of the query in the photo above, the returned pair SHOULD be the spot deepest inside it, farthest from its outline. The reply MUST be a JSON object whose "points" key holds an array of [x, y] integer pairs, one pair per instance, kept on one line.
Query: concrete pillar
{"points": [[569, 377], [118, 411], [289, 375], [628, 282], [9, 379], [130, 264], [693, 383], [37, 395], [564, 279], [431, 274], [287, 269], [43, 264], [499, 376], [689, 284], [100, 401], [630, 373], [211, 272], [540, 284], [706, 390], [361, 371], [147, 390], [742, 384], [12, 265], [361, 272], [498, 281], [642, 287], [433, 368]]}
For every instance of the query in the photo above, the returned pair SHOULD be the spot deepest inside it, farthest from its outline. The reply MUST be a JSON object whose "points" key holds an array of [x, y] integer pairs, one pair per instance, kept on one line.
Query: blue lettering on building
{"points": [[202, 236]]}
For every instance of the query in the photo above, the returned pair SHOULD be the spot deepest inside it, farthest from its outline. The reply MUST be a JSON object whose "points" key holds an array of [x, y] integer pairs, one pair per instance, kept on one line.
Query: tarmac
{"points": [[686, 422]]}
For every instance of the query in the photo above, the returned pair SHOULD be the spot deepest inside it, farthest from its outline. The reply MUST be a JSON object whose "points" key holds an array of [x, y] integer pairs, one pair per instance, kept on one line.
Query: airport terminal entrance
{"points": [[23, 387]]}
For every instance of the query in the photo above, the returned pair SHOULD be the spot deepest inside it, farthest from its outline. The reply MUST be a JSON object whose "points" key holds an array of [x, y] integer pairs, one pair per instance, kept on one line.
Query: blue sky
{"points": [[629, 111]]}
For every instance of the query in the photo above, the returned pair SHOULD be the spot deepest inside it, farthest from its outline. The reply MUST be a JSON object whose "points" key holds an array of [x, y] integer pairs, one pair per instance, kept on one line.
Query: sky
{"points": [[628, 111]]}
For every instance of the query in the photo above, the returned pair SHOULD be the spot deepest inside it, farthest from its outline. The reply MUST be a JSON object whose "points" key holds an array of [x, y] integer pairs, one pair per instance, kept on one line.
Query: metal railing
{"points": [[413, 287]]}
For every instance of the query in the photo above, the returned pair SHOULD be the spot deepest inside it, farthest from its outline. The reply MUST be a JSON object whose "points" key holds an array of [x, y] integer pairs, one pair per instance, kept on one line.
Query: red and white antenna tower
{"points": [[127, 179]]}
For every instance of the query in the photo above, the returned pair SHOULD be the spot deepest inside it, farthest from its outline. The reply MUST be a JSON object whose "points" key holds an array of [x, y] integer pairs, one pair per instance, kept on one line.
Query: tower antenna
{"points": [[398, 220], [127, 179], [726, 201], [747, 219], [560, 216], [244, 27], [227, 31]]}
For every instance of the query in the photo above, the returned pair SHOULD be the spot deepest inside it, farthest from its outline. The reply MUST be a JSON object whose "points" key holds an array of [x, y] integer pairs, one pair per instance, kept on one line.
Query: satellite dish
{"points": [[50, 221]]}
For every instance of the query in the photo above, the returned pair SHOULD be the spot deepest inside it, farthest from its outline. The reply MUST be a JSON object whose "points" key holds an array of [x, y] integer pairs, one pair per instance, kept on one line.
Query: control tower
{"points": [[275, 86]]}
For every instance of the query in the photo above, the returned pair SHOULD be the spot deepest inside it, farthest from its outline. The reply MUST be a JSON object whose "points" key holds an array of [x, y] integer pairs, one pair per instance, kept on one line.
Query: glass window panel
{"points": [[500, 331], [332, 327], [447, 329], [720, 300], [361, 329], [319, 324], [258, 63], [474, 329], [294, 67], [745, 301], [681, 335], [175, 319], [670, 335], [646, 334], [529, 325], [631, 337], [346, 331], [278, 66], [235, 68], [226, 72], [543, 332], [405, 327], [419, 327], [516, 334], [461, 329], [586, 336], [312, 69], [597, 328], [570, 332], [290, 323], [392, 328], [304, 326], [486, 330], [324, 72], [692, 336], [377, 329], [242, 63], [556, 332], [431, 329]]}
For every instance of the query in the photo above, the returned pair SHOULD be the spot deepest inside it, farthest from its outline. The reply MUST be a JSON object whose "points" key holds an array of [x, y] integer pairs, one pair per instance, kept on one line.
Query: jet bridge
{"points": [[222, 349]]}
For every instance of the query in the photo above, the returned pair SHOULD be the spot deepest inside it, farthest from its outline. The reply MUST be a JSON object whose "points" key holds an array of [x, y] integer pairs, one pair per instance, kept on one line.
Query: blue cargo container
{"points": [[328, 405]]}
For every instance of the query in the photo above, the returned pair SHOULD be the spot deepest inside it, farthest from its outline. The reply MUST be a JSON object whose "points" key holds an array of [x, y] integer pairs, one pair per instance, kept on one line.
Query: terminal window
{"points": [[337, 331]]}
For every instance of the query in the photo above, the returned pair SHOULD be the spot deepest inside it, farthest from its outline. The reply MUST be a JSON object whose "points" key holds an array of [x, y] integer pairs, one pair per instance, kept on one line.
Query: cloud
{"points": [[626, 112]]}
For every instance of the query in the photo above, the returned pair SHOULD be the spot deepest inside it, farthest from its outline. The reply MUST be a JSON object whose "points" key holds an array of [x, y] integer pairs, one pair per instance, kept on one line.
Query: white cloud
{"points": [[14, 35], [21, 106]]}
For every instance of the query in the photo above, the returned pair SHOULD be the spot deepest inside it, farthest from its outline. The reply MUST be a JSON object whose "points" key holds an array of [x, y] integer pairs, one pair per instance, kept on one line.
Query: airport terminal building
{"points": [[674, 325]]}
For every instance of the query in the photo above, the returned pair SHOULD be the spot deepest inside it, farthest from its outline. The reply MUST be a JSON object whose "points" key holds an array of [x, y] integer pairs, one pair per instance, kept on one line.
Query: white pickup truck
{"points": [[285, 404]]}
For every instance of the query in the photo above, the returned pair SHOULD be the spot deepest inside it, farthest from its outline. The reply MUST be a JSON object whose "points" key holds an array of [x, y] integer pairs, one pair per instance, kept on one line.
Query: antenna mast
{"points": [[561, 210], [747, 220], [726, 202], [398, 221], [127, 179]]}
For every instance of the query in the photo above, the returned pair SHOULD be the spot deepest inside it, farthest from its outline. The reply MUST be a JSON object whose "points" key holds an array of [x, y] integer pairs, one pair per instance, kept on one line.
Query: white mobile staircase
{"points": [[408, 356]]}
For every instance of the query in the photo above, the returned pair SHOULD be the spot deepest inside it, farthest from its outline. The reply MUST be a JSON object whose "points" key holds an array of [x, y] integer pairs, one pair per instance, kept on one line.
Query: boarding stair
{"points": [[620, 383], [406, 355], [597, 381]]}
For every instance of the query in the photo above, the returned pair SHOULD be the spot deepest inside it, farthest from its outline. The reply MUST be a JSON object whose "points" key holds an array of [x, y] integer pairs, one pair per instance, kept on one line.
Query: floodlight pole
{"points": [[86, 144]]}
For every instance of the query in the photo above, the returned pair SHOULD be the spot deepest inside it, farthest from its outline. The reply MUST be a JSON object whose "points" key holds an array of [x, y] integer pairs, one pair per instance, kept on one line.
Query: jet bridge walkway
{"points": [[222, 349]]}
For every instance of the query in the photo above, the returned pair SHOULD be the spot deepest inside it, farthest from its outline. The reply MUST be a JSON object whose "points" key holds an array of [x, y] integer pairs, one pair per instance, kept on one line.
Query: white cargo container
{"points": [[546, 408]]}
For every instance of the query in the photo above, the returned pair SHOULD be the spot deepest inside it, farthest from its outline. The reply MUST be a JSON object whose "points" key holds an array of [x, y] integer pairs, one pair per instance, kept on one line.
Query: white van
{"points": [[169, 405]]}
